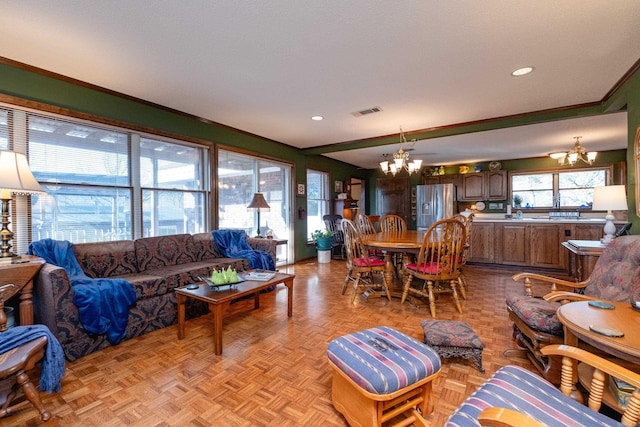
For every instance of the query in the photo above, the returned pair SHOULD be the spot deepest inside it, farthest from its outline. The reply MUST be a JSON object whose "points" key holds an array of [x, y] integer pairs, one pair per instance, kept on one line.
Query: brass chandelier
{"points": [[578, 152], [401, 159]]}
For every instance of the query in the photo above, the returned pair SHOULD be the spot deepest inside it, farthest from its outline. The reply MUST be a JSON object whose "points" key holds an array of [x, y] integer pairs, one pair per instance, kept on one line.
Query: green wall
{"points": [[28, 85], [33, 86]]}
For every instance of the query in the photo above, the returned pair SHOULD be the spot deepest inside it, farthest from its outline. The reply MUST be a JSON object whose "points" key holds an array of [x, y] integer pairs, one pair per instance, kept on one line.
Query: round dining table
{"points": [[408, 241]]}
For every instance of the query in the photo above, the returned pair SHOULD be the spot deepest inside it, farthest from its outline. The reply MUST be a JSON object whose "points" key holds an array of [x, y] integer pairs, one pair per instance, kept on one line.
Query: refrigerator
{"points": [[433, 203]]}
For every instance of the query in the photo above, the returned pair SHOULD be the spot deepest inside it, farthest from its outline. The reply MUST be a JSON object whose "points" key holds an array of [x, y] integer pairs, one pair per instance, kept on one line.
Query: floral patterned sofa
{"points": [[153, 265]]}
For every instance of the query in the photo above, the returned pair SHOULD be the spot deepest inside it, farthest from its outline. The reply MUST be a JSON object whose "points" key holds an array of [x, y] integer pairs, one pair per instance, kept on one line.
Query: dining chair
{"points": [[362, 268], [364, 225], [438, 264], [332, 222], [467, 220], [15, 364], [392, 223]]}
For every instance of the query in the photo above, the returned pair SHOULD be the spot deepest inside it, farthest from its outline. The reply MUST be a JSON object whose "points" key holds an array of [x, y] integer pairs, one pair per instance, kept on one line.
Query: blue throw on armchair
{"points": [[233, 244]]}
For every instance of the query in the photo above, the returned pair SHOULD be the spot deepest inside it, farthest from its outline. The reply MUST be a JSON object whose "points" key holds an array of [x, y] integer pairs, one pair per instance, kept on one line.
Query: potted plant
{"points": [[323, 239], [517, 200]]}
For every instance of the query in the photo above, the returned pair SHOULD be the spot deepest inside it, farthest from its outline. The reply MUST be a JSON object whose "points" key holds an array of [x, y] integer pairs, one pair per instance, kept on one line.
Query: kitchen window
{"points": [[559, 189]]}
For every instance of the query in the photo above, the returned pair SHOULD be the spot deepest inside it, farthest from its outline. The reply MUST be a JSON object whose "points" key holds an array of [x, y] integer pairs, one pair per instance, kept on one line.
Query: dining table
{"points": [[392, 242]]}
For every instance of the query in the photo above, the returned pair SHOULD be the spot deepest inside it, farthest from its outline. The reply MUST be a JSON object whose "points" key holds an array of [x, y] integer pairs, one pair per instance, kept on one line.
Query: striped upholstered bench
{"points": [[382, 375]]}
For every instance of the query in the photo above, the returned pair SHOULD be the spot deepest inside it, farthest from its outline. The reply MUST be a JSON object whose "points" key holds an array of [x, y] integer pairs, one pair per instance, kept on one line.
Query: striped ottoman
{"points": [[380, 374]]}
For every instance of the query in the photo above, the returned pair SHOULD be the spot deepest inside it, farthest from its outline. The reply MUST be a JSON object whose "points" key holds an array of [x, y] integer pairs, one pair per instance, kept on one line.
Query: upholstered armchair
{"points": [[615, 277]]}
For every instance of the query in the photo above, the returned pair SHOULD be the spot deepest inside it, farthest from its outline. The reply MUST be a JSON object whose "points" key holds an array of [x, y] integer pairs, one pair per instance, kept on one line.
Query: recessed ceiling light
{"points": [[522, 71], [317, 118]]}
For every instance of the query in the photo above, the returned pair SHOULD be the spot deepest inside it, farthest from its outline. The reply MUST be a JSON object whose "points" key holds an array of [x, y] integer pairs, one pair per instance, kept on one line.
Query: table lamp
{"points": [[258, 202], [609, 198], [15, 178]]}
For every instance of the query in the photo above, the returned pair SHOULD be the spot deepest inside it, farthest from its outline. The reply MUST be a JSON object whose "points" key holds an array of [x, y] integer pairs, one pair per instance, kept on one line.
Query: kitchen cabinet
{"points": [[491, 185], [527, 244], [587, 232], [532, 245], [482, 243]]}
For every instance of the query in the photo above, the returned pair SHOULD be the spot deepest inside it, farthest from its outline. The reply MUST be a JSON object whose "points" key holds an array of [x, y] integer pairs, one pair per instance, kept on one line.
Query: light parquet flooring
{"points": [[273, 370]]}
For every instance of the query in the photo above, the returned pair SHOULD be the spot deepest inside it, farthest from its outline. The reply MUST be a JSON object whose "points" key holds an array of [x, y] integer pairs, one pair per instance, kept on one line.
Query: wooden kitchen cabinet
{"points": [[477, 186], [531, 245], [512, 243], [482, 243], [546, 249], [587, 232]]}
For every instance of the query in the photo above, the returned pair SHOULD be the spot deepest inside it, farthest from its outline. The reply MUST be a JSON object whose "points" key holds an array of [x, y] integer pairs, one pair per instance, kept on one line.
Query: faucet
{"points": [[556, 201]]}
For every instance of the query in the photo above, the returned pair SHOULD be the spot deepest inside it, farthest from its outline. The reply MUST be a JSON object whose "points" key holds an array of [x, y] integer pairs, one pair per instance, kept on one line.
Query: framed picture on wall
{"points": [[337, 187], [300, 189]]}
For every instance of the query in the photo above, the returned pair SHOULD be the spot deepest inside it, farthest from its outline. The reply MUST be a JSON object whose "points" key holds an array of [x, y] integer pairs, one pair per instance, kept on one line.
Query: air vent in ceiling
{"points": [[367, 111]]}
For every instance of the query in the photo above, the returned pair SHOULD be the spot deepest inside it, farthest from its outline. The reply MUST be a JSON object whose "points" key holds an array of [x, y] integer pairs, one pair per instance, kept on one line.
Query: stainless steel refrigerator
{"points": [[433, 203]]}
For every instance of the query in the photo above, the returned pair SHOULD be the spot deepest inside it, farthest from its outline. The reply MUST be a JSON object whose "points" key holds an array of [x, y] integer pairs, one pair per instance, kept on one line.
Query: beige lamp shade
{"points": [[258, 202], [609, 198], [16, 176]]}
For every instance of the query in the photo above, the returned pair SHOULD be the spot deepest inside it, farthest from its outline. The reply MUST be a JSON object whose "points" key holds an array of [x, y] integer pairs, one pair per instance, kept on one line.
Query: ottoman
{"points": [[382, 375], [452, 338]]}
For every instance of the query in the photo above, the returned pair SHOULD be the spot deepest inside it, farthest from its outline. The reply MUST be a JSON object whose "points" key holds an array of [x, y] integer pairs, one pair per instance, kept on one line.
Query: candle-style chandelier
{"points": [[401, 159], [578, 152]]}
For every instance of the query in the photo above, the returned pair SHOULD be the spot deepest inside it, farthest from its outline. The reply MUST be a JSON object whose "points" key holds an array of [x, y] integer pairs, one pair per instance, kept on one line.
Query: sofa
{"points": [[155, 266]]}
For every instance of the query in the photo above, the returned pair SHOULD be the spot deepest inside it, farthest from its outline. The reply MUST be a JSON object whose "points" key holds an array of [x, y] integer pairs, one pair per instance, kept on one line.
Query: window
{"points": [[96, 190], [318, 200], [239, 177], [173, 187], [85, 172], [4, 130], [561, 189]]}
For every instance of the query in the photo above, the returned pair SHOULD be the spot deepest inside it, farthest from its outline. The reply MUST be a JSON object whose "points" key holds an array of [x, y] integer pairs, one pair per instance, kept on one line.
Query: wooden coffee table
{"points": [[220, 299]]}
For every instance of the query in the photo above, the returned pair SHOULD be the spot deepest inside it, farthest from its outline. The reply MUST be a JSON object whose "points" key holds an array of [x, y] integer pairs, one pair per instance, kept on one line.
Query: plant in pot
{"points": [[323, 239], [517, 200]]}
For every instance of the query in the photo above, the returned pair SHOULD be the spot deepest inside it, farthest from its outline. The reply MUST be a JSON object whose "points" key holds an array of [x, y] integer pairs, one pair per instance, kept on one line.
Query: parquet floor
{"points": [[273, 370]]}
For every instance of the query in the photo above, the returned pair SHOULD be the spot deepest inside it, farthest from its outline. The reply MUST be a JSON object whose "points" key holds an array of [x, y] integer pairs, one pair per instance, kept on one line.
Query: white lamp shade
{"points": [[609, 198], [15, 174]]}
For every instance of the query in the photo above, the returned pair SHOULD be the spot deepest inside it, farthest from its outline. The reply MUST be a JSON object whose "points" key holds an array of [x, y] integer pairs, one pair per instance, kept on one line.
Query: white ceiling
{"points": [[266, 67]]}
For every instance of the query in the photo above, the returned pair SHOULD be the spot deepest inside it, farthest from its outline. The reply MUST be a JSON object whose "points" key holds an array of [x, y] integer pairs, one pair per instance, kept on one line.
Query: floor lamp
{"points": [[609, 198], [258, 202], [15, 178]]}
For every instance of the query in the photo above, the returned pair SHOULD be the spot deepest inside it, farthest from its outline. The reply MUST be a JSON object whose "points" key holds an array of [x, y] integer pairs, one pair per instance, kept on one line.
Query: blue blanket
{"points": [[103, 304], [233, 244], [53, 362]]}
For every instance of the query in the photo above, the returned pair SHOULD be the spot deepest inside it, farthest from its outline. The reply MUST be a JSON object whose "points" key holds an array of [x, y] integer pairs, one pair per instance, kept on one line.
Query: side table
{"points": [[583, 255], [21, 273]]}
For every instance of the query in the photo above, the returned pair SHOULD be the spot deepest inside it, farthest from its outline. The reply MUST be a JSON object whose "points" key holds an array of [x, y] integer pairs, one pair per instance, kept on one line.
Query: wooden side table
{"points": [[583, 255], [21, 273]]}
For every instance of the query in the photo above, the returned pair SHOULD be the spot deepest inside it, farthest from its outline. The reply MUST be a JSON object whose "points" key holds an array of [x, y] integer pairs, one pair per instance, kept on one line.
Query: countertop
{"points": [[541, 218]]}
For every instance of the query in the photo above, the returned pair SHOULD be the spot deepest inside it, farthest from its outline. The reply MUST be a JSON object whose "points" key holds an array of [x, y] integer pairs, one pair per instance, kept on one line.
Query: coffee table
{"points": [[220, 299]]}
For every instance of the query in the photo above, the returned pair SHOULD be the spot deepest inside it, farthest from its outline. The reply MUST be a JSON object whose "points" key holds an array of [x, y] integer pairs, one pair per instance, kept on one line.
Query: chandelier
{"points": [[401, 159], [578, 152]]}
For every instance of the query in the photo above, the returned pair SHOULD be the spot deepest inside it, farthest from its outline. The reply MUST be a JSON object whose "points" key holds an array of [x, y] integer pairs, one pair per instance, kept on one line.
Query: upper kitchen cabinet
{"points": [[491, 185]]}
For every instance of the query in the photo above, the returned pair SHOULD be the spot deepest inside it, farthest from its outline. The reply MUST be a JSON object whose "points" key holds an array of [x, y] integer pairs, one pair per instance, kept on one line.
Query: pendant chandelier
{"points": [[401, 159], [578, 152]]}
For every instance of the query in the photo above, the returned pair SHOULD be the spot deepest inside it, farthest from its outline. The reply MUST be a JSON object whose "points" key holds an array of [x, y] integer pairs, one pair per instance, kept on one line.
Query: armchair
{"points": [[615, 277], [514, 396]]}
